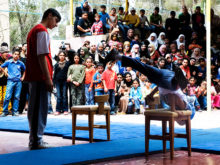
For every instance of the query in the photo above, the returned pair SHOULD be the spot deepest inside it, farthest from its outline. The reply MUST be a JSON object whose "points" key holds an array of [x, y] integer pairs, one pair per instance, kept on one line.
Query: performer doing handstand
{"points": [[170, 83]]}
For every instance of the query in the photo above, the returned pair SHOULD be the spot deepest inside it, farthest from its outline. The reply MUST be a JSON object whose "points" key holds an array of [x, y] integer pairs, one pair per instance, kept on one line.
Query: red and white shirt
{"points": [[97, 28], [38, 43]]}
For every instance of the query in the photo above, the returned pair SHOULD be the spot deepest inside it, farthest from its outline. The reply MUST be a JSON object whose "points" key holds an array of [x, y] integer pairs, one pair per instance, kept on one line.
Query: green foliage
{"points": [[20, 21]]}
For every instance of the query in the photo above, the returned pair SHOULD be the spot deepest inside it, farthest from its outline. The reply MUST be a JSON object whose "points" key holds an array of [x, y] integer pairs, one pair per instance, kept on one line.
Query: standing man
{"points": [[39, 75], [15, 68]]}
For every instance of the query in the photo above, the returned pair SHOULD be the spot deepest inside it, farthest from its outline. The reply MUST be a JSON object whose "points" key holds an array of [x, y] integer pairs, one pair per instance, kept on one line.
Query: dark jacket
{"points": [[60, 74]]}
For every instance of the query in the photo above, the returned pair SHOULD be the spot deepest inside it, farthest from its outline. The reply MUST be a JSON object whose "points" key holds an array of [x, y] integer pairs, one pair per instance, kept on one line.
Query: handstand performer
{"points": [[170, 83]]}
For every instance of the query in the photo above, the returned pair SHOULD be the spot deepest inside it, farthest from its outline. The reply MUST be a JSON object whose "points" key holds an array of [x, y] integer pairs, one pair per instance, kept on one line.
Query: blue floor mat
{"points": [[63, 128], [127, 139]]}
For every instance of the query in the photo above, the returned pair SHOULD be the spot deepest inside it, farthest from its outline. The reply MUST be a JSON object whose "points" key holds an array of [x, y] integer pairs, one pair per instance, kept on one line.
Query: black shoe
{"points": [[4, 114], [42, 145], [112, 56], [15, 114]]}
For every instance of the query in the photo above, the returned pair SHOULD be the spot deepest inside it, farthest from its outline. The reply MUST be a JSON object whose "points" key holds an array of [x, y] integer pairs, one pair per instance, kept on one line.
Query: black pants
{"points": [[161, 77], [23, 97]]}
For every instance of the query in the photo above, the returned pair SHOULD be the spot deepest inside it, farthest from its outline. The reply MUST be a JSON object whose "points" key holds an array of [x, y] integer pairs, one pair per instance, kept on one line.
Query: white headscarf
{"points": [[180, 45], [178, 40], [133, 51], [155, 42], [160, 40]]}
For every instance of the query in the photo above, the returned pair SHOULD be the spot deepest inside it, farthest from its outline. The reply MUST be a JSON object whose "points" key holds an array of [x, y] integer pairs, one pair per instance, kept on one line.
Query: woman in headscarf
{"points": [[153, 40], [100, 54], [163, 50], [84, 54], [154, 55], [144, 51], [180, 40], [135, 51], [161, 38], [196, 55]]}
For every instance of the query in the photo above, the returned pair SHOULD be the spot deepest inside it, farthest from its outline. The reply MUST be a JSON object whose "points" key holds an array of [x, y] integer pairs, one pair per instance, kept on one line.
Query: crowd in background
{"points": [[215, 60], [81, 74]]}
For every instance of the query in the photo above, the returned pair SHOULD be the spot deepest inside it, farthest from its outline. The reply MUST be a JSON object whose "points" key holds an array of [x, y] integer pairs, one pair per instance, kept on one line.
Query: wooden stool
{"points": [[91, 110], [164, 116]]}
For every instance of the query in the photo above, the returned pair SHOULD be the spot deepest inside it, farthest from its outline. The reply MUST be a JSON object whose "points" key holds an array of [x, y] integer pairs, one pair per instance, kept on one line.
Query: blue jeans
{"points": [[99, 92], [203, 102], [161, 77], [137, 103], [12, 87], [62, 101], [111, 99], [124, 29], [190, 106], [89, 95], [144, 31], [86, 34]]}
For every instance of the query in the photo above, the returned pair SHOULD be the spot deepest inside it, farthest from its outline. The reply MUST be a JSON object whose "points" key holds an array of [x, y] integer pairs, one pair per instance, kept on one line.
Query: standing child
{"points": [[97, 80], [13, 89], [135, 97], [76, 75], [191, 91], [109, 78], [89, 72], [59, 78]]}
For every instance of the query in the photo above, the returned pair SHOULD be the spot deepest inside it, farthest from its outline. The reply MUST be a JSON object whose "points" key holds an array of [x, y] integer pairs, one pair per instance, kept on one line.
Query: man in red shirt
{"points": [[39, 75]]}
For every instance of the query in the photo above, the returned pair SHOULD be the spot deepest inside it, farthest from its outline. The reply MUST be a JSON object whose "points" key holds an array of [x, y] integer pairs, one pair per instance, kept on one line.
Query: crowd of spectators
{"points": [[81, 74], [215, 60]]}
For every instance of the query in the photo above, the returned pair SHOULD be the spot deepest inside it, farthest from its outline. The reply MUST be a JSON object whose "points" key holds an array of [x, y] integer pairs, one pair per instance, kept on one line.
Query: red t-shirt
{"points": [[110, 77], [34, 39], [89, 75]]}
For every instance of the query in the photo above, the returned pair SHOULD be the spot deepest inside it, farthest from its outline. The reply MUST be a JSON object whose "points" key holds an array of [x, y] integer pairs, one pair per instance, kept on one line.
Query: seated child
{"points": [[97, 27], [135, 98]]}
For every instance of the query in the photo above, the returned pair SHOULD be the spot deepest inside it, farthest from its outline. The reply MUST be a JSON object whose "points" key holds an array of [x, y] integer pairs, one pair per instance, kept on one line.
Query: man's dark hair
{"points": [[103, 6], [54, 13], [201, 59], [157, 9], [99, 64], [4, 44], [173, 13], [142, 10], [120, 8], [24, 44], [70, 55], [84, 12], [16, 50], [198, 7]]}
